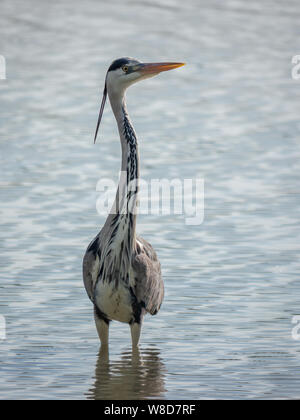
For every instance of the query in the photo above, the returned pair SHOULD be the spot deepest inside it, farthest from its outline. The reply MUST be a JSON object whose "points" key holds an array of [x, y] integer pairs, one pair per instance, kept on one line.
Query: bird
{"points": [[121, 271]]}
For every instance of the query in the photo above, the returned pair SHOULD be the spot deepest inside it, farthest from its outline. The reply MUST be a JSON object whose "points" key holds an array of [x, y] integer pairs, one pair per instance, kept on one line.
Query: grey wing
{"points": [[149, 286], [91, 265]]}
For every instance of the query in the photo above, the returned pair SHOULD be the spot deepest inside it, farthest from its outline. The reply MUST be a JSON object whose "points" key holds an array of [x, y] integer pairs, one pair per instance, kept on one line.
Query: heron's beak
{"points": [[155, 68]]}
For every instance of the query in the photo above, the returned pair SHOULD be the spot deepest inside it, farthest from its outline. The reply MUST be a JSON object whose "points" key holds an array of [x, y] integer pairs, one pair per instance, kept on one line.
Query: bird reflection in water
{"points": [[139, 374]]}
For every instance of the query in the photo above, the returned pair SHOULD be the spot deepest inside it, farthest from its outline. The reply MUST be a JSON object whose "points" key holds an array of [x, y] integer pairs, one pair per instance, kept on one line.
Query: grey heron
{"points": [[121, 271]]}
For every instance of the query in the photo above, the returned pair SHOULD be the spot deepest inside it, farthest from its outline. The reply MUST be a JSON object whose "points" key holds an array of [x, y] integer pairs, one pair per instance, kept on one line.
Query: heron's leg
{"points": [[135, 329], [102, 325]]}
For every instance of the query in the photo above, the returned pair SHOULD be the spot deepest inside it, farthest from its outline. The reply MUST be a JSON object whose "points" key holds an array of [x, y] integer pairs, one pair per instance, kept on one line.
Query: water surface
{"points": [[231, 117]]}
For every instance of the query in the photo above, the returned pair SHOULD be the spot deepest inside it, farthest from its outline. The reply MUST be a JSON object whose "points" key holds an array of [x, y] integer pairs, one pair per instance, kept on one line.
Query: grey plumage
{"points": [[147, 284], [149, 288]]}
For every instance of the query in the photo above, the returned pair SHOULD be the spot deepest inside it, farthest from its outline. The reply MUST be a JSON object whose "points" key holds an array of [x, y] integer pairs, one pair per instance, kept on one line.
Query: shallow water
{"points": [[231, 117]]}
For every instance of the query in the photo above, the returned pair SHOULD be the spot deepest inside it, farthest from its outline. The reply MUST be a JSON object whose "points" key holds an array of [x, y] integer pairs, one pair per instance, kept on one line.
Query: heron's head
{"points": [[123, 72], [126, 71]]}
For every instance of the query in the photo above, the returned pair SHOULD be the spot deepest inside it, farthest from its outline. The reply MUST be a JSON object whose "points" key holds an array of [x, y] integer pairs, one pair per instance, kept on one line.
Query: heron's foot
{"points": [[104, 353], [135, 329], [102, 329]]}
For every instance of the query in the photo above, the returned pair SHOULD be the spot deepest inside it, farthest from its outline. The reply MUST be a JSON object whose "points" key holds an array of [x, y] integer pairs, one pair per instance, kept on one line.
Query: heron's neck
{"points": [[125, 206], [130, 167]]}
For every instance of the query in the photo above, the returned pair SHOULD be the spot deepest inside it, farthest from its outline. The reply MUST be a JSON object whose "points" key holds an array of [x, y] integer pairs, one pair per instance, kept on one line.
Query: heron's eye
{"points": [[125, 69]]}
